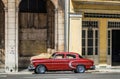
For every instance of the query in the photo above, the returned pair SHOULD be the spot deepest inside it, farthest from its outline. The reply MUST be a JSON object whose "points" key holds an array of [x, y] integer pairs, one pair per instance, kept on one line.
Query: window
{"points": [[70, 56], [89, 38], [59, 56]]}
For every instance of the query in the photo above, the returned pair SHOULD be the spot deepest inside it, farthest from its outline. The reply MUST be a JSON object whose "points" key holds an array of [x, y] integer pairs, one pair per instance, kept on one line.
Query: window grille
{"points": [[113, 24], [92, 24], [101, 15]]}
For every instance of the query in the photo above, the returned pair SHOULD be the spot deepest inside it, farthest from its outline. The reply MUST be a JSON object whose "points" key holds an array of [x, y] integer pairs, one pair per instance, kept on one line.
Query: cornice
{"points": [[110, 2]]}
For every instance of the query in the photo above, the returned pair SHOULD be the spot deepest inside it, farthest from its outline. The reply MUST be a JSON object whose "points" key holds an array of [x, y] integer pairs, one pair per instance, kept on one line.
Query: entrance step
{"points": [[115, 67]]}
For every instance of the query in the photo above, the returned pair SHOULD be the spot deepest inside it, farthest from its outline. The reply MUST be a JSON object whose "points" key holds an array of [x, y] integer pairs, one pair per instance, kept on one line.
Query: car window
{"points": [[80, 56], [70, 56], [59, 56]]}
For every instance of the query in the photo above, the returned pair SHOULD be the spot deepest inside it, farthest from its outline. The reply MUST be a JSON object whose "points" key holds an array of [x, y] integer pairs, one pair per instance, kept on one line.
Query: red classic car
{"points": [[61, 61]]}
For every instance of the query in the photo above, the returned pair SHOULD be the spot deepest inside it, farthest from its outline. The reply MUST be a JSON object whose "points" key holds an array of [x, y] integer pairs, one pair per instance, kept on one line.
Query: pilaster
{"points": [[75, 33], [60, 29], [11, 35], [103, 42]]}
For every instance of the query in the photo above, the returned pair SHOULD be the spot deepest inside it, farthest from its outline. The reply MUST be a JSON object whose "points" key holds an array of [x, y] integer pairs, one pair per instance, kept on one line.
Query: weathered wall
{"points": [[2, 35], [36, 31], [18, 41], [32, 37]]}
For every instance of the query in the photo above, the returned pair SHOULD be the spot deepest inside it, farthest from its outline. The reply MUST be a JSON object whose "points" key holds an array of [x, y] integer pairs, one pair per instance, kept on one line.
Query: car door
{"points": [[59, 62], [70, 59]]}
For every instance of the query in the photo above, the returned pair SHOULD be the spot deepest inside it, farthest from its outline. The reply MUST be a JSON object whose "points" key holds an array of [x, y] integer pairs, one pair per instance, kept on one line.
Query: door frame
{"points": [[111, 28], [112, 46], [109, 56], [94, 57]]}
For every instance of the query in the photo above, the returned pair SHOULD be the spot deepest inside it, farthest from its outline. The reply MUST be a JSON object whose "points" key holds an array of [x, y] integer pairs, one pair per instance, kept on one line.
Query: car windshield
{"points": [[52, 56], [80, 56]]}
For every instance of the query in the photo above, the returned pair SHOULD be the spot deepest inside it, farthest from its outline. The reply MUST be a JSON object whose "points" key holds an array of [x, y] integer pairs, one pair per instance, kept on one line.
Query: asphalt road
{"points": [[62, 76]]}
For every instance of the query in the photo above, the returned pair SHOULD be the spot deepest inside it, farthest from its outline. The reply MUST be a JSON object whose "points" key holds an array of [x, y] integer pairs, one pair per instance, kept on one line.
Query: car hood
{"points": [[88, 60]]}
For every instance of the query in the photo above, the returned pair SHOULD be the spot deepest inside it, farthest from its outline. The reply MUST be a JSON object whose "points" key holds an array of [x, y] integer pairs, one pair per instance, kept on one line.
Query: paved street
{"points": [[60, 75]]}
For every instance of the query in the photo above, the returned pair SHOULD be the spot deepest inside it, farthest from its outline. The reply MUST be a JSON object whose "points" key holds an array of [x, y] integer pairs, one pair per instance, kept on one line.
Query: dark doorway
{"points": [[36, 29], [115, 47]]}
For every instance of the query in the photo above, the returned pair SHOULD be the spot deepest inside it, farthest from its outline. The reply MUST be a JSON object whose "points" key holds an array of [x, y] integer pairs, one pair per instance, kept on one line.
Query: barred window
{"points": [[89, 38]]}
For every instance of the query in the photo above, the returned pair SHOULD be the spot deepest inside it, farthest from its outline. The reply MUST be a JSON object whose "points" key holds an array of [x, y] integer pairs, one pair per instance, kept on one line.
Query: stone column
{"points": [[11, 53], [17, 40], [60, 33]]}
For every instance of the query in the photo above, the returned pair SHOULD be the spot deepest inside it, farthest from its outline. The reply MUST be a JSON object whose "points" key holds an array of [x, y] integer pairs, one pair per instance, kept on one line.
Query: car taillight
{"points": [[31, 62], [92, 63]]}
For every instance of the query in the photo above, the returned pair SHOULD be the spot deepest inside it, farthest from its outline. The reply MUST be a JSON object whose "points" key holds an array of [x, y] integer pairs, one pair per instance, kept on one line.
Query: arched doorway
{"points": [[2, 35], [36, 29]]}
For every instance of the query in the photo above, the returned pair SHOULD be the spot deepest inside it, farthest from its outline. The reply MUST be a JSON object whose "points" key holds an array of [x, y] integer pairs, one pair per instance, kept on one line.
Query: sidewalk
{"points": [[104, 69], [24, 71], [112, 69], [97, 70], [2, 71]]}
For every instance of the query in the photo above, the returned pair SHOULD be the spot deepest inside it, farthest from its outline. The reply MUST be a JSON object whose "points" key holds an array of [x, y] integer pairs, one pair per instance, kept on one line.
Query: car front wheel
{"points": [[80, 69], [40, 69]]}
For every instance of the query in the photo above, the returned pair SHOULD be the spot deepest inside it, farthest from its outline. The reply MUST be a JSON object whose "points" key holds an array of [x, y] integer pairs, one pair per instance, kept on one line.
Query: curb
{"points": [[88, 71]]}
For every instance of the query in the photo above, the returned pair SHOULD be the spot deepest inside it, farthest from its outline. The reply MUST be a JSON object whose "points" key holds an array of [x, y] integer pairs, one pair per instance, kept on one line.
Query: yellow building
{"points": [[95, 33]]}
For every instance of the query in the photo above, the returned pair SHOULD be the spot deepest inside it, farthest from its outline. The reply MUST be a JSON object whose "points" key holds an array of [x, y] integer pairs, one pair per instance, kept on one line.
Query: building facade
{"points": [[34, 27], [99, 29], [29, 28]]}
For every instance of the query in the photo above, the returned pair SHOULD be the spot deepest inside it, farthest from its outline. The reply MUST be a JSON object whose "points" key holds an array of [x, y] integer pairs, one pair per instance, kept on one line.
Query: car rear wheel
{"points": [[80, 69], [40, 69]]}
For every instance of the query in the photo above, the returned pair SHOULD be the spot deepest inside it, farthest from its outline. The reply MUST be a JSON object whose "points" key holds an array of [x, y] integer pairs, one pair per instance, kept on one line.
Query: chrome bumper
{"points": [[31, 67], [92, 67]]}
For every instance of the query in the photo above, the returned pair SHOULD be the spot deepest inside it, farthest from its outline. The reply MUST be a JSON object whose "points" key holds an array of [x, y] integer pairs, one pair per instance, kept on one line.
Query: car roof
{"points": [[66, 53]]}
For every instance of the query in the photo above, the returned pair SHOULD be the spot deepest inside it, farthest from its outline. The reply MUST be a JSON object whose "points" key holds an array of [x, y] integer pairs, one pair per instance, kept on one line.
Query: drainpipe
{"points": [[56, 26], [66, 27]]}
